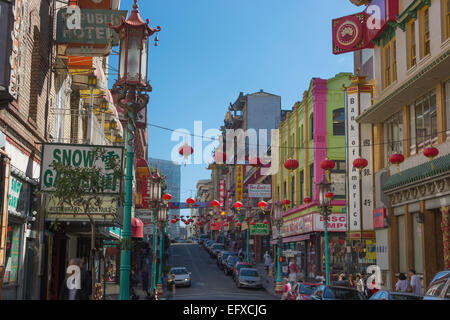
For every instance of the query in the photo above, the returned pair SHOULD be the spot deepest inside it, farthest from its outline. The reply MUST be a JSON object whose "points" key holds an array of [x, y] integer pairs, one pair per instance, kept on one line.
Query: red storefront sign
{"points": [[146, 183], [337, 222], [378, 218], [221, 192], [356, 31], [312, 222]]}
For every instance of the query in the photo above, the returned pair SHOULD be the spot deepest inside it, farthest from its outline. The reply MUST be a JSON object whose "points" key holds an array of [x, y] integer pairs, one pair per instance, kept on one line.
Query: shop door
{"points": [[59, 265]]}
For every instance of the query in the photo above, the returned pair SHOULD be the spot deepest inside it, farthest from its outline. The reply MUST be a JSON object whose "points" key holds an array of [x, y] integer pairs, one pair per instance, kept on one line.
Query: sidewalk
{"points": [[268, 286], [112, 292]]}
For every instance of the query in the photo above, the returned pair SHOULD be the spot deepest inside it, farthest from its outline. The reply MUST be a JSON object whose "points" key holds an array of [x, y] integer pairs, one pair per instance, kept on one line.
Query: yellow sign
{"points": [[239, 183]]}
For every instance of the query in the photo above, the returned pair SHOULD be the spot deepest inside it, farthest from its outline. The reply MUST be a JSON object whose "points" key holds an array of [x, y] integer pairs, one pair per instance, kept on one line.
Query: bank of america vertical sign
{"points": [[359, 141]]}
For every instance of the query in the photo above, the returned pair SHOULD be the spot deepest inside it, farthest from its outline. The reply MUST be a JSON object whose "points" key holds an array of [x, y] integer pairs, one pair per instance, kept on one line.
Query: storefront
{"points": [[303, 242]]}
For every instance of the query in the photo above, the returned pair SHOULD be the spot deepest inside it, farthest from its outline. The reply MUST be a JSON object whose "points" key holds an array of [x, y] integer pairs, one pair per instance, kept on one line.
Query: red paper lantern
{"points": [[430, 152], [360, 163], [238, 224], [245, 219], [262, 204], [185, 150], [291, 164], [237, 205], [329, 195], [396, 159], [190, 202], [167, 196], [266, 222], [173, 220], [215, 203], [286, 202], [307, 200], [327, 164], [225, 224], [252, 223]]}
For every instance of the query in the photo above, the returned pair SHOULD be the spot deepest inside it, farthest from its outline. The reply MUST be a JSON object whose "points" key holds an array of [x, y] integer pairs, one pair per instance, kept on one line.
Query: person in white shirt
{"points": [[416, 283]]}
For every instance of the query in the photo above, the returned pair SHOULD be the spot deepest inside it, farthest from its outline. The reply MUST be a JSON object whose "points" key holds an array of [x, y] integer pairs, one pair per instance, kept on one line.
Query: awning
{"points": [[302, 237], [142, 168], [137, 228]]}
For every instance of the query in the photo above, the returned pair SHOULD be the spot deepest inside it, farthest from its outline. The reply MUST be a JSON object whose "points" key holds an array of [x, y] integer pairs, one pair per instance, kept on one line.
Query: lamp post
{"points": [[162, 217], [248, 239], [130, 89], [92, 83], [325, 196], [103, 108], [278, 221]]}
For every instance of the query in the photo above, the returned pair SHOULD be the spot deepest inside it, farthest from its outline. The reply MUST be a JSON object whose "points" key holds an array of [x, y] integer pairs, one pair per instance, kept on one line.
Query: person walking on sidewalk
{"points": [[270, 272], [416, 284], [267, 260]]}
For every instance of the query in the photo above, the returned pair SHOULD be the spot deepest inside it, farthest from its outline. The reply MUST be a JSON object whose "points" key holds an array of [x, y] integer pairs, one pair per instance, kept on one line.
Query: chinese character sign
{"points": [[221, 192], [239, 183], [81, 156]]}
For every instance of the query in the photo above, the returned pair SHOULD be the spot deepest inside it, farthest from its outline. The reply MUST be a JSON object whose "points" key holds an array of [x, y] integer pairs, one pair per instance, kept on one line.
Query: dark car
{"points": [[202, 238], [439, 288], [393, 295], [215, 249], [229, 264], [305, 290], [222, 257], [238, 266], [324, 292]]}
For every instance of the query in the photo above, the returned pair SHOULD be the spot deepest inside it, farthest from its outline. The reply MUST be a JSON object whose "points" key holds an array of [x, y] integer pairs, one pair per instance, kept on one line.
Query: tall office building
{"points": [[172, 172]]}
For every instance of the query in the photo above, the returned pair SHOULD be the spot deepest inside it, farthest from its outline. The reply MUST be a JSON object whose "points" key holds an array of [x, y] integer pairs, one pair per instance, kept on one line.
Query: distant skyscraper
{"points": [[172, 172]]}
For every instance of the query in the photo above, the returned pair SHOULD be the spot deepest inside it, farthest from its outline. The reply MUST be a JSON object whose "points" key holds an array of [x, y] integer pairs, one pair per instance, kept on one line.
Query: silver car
{"points": [[182, 277], [249, 277]]}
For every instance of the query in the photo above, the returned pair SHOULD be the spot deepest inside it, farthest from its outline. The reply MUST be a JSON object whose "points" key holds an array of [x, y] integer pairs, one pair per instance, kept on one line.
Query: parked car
{"points": [[222, 257], [394, 295], [303, 291], [215, 249], [229, 264], [238, 266], [182, 277], [249, 277], [324, 292], [202, 238], [439, 288], [208, 244]]}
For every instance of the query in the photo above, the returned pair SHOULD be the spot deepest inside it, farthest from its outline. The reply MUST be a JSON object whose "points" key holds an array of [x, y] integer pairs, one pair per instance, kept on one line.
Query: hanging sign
{"points": [[259, 191], [350, 33], [259, 229], [239, 182], [80, 156], [221, 192], [14, 192]]}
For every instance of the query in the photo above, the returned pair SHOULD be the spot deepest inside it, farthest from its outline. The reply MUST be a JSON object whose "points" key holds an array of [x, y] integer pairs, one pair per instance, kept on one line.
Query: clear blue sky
{"points": [[210, 50]]}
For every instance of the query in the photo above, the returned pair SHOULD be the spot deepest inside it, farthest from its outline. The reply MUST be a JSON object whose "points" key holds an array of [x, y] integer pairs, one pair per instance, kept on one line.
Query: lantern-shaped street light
{"points": [[162, 218], [129, 91], [325, 196], [277, 218]]}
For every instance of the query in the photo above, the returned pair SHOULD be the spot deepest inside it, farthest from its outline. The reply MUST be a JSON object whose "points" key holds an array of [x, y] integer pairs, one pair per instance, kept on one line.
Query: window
{"points": [[300, 137], [301, 186], [337, 175], [389, 63], [338, 122], [284, 190], [292, 147], [311, 180], [59, 112], [425, 32], [13, 240], [394, 135], [423, 114], [292, 190], [447, 105], [311, 124], [402, 243], [411, 34], [447, 18]]}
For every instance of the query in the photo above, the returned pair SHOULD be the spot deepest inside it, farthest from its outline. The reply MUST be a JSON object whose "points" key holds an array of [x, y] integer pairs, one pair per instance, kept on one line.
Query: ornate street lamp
{"points": [[277, 218], [92, 83], [325, 196], [132, 82], [162, 218]]}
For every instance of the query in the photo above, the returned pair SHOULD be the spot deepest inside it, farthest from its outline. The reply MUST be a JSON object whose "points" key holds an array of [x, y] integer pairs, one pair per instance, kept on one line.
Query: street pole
{"points": [[155, 241], [161, 244], [124, 293], [248, 242], [327, 267], [91, 131], [278, 256]]}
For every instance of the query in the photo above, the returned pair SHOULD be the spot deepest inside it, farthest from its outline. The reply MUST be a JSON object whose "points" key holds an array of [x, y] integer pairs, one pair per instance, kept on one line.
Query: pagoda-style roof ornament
{"points": [[361, 2], [135, 20]]}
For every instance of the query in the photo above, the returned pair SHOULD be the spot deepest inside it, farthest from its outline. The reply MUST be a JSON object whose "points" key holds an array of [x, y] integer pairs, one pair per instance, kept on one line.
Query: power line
{"points": [[393, 142]]}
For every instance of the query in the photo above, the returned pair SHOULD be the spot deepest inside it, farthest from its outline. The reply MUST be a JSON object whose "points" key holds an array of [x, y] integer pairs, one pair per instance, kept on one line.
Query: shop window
{"points": [[447, 105], [389, 63], [12, 254], [339, 122], [423, 128], [425, 31], [394, 135], [401, 244], [411, 38]]}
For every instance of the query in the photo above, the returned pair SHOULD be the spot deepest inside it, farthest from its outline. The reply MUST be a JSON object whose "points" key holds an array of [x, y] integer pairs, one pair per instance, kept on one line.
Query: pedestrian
{"points": [[351, 283], [133, 282], [172, 283], [292, 272], [240, 253], [86, 278], [319, 277], [144, 278], [359, 283], [286, 290], [415, 282], [267, 260], [402, 284], [270, 271]]}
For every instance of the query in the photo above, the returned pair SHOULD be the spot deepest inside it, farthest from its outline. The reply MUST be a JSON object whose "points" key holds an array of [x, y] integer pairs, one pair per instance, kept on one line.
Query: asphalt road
{"points": [[208, 281]]}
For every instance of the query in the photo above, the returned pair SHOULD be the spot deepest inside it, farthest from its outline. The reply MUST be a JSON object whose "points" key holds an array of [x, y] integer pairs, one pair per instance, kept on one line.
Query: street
{"points": [[208, 281]]}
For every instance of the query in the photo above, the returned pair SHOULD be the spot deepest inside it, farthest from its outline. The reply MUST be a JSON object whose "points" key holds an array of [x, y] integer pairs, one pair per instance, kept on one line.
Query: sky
{"points": [[211, 50]]}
